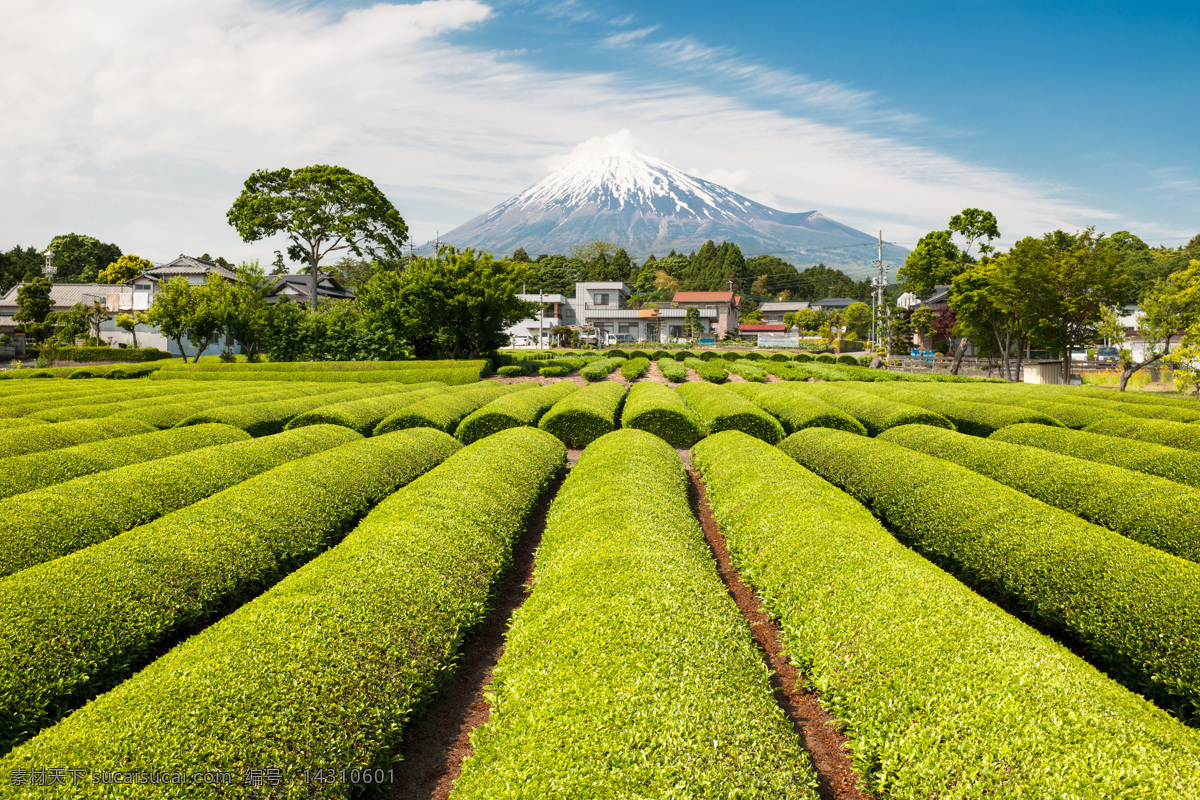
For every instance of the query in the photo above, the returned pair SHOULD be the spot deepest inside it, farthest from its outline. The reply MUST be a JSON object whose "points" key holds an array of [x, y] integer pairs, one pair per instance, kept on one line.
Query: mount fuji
{"points": [[648, 206]]}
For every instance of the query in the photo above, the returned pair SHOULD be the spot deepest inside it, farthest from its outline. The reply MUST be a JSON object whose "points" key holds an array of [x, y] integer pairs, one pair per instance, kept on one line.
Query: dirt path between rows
{"points": [[819, 732], [436, 745]]}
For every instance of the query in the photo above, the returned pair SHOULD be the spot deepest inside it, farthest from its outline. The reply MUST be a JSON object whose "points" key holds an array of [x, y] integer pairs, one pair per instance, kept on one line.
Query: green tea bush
{"points": [[83, 355], [451, 376], [554, 372], [172, 411], [50, 523], [1171, 463], [722, 410], [1130, 503], [652, 667], [825, 358], [1134, 609], [780, 357], [672, 370], [712, 371], [747, 370], [657, 354], [512, 411], [365, 632], [514, 371], [444, 411], [974, 418], [584, 416], [39, 470], [846, 358], [266, 418], [929, 679], [864, 361], [132, 371], [133, 591], [1171, 434], [683, 355], [708, 355], [875, 413], [634, 368], [654, 408], [730, 355], [40, 438], [599, 370], [617, 352], [803, 357], [639, 354], [798, 410], [365, 414]]}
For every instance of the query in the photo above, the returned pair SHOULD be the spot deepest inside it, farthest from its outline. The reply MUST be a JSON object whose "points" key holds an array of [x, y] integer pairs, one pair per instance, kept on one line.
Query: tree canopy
{"points": [[79, 259], [125, 268], [322, 209]]}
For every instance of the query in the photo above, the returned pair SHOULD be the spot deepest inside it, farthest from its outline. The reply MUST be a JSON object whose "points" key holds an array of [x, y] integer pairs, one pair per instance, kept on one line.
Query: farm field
{"points": [[633, 574]]}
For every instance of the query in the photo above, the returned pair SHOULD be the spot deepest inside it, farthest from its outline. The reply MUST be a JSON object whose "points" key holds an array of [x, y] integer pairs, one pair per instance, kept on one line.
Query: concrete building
{"points": [[773, 310]]}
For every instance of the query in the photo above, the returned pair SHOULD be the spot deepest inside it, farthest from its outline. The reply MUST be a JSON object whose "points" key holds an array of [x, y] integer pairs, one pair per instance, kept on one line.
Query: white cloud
{"points": [[137, 122]]}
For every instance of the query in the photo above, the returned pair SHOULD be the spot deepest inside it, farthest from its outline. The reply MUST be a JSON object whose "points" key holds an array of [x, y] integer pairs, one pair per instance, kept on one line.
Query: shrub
{"points": [[708, 370], [875, 413], [974, 418], [572, 708], [365, 414], [747, 370], [616, 352], [1171, 463], [730, 355], [135, 590], [83, 355], [452, 376], [672, 370], [1165, 432], [798, 410], [39, 438], [172, 411], [639, 354], [132, 371], [846, 358], [708, 355], [52, 522], [554, 372], [39, 470], [654, 408], [802, 357], [599, 370], [722, 410], [754, 355], [584, 416], [780, 357], [266, 418], [929, 679], [864, 361], [1121, 500], [824, 358], [657, 354], [683, 355], [512, 411], [634, 368], [1042, 561], [366, 632], [515, 371], [445, 411]]}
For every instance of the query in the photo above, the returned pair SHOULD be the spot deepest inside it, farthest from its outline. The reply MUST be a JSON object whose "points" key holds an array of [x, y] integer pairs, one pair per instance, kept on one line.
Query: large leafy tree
{"points": [[125, 268], [322, 209], [79, 258], [17, 264], [456, 305], [196, 313], [33, 306], [246, 309]]}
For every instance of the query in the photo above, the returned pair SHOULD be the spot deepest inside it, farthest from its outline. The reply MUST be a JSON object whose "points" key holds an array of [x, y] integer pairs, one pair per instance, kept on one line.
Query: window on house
{"points": [[601, 299]]}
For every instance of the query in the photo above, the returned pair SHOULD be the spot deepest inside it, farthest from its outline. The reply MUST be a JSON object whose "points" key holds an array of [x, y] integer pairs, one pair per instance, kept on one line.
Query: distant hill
{"points": [[648, 206]]}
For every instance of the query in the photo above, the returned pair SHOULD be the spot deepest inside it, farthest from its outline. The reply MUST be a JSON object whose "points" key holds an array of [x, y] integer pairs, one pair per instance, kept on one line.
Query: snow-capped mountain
{"points": [[648, 206]]}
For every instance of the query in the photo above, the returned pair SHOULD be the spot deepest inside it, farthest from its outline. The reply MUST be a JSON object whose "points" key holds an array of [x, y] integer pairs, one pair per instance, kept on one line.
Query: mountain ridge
{"points": [[646, 206]]}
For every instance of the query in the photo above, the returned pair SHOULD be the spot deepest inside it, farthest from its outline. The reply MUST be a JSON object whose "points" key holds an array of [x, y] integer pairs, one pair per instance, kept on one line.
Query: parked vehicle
{"points": [[521, 341], [1108, 355]]}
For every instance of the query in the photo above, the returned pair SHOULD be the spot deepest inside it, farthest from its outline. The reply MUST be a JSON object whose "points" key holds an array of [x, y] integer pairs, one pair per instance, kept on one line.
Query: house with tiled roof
{"points": [[297, 289], [720, 308], [62, 297]]}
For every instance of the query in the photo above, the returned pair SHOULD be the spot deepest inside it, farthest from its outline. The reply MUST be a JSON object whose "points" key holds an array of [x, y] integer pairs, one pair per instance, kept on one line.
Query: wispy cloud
{"points": [[625, 38], [148, 146]]}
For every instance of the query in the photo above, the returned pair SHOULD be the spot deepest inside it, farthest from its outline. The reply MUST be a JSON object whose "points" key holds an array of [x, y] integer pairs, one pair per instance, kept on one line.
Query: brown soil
{"points": [[435, 746], [819, 732]]}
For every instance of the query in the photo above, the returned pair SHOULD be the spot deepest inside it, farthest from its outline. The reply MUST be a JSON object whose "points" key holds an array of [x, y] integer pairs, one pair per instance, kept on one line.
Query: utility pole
{"points": [[879, 283], [541, 315]]}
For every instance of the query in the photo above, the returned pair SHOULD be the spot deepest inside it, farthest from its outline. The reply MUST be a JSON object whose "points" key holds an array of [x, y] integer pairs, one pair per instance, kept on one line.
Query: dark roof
{"points": [[186, 265], [833, 302], [64, 295], [299, 287]]}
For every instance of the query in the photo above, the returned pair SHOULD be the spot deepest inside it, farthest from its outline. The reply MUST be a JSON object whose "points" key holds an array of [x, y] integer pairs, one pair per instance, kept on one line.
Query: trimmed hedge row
{"points": [[876, 414], [171, 413], [672, 370], [97, 393], [266, 418], [941, 693], [721, 410], [654, 408], [1153, 459], [584, 416], [85, 354], [38, 470], [598, 370], [748, 369], [363, 634], [512, 411], [652, 668], [975, 418], [554, 372], [365, 414], [323, 366], [1134, 609], [85, 408], [799, 410], [634, 368], [712, 371], [445, 411], [451, 376], [1071, 394], [1121, 500], [1172, 434], [133, 591], [40, 438], [52, 522]]}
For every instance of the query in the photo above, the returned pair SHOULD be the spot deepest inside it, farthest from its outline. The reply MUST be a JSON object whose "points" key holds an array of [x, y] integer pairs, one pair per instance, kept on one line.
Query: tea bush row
{"points": [[721, 410], [584, 416], [654, 408], [512, 411]]}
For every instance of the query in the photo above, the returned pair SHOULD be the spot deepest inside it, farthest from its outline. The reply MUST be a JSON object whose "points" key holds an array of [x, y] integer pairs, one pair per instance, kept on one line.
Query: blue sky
{"points": [[138, 122]]}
